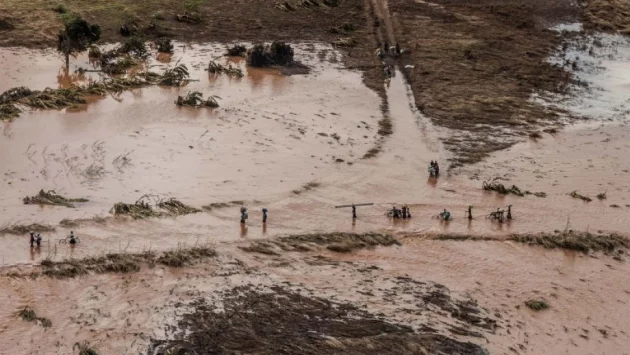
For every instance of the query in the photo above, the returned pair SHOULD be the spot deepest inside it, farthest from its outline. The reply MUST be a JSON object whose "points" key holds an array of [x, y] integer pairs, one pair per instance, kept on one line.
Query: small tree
{"points": [[76, 36]]}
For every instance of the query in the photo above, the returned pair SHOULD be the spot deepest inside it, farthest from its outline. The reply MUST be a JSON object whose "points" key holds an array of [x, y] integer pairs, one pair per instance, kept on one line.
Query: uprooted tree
{"points": [[76, 36]]}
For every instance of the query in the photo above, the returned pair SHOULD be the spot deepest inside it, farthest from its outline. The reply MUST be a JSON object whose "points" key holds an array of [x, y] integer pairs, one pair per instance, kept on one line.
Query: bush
{"points": [[164, 45], [279, 53]]}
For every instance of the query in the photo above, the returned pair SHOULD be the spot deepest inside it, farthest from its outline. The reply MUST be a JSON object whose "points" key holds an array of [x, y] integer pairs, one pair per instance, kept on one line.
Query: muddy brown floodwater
{"points": [[295, 145]]}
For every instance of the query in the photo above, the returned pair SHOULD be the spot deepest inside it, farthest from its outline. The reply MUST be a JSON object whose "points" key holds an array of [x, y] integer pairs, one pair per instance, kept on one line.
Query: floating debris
{"points": [[537, 305], [195, 99], [500, 188], [216, 68], [28, 314], [176, 207], [143, 209], [51, 198], [138, 210], [575, 194]]}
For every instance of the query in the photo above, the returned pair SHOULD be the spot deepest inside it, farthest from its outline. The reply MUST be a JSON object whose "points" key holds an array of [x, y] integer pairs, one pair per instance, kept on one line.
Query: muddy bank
{"points": [[271, 321], [476, 66], [35, 25], [607, 15]]}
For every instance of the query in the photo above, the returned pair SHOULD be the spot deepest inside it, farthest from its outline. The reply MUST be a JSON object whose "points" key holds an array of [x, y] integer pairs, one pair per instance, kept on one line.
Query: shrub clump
{"points": [[164, 45], [278, 53], [238, 50]]}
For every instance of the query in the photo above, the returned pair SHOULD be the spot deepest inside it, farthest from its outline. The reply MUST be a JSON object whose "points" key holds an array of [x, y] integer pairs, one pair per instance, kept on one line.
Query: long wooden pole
{"points": [[356, 205]]}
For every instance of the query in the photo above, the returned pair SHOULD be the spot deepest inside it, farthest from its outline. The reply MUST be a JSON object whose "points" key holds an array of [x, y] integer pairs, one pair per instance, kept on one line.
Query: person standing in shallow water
{"points": [[243, 214], [32, 239], [354, 212], [264, 211]]}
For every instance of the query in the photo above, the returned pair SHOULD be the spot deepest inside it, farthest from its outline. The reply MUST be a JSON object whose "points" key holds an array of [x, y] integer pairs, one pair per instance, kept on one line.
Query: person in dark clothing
{"points": [[38, 240], [354, 212], [509, 212], [32, 238], [243, 214], [470, 212], [73, 239], [437, 168], [397, 49], [264, 211]]}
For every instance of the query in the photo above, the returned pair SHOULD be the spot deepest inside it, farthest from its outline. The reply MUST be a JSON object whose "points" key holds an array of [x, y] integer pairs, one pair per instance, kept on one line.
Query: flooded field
{"points": [[297, 145]]}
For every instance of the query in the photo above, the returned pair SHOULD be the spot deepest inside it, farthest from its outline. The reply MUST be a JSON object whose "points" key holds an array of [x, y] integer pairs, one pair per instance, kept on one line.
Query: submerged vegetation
{"points": [[84, 348], [575, 194], [195, 99], [307, 187], [28, 314], [51, 198], [537, 305], [124, 263], [71, 97], [176, 207], [584, 242], [20, 229], [337, 242], [216, 68], [142, 209], [500, 188], [578, 241], [277, 320]]}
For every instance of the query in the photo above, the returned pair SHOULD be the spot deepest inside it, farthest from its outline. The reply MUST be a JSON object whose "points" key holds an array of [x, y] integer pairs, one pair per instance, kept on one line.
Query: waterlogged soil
{"points": [[460, 297], [282, 143], [296, 145]]}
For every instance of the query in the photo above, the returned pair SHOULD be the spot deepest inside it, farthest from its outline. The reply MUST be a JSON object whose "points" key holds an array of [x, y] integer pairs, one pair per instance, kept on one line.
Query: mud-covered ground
{"points": [[190, 279], [473, 67], [460, 297]]}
